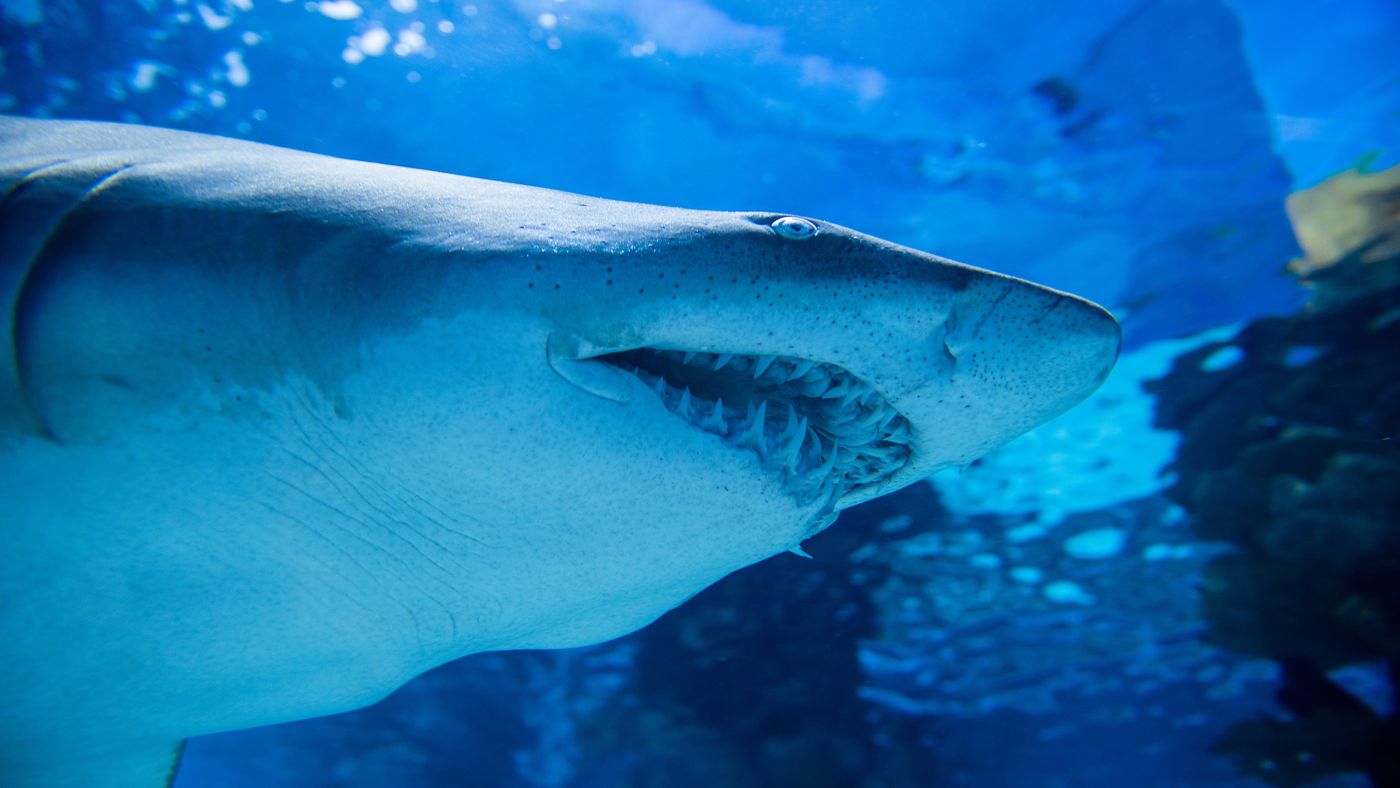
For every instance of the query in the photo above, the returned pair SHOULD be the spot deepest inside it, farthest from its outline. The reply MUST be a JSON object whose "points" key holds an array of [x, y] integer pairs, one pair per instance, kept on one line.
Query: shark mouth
{"points": [[825, 431]]}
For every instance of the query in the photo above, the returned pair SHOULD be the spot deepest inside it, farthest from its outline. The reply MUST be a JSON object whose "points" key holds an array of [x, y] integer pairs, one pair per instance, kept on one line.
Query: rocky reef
{"points": [[1289, 454]]}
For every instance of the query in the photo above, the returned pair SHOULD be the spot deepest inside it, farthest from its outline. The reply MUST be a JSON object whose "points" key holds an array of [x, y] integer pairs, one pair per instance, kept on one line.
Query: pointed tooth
{"points": [[838, 390], [752, 436], [848, 432], [659, 387], [723, 359], [762, 365], [900, 433], [851, 396], [824, 471], [882, 456], [740, 429], [792, 427], [815, 453], [685, 402], [792, 452], [803, 367], [715, 422], [760, 422], [688, 357]]}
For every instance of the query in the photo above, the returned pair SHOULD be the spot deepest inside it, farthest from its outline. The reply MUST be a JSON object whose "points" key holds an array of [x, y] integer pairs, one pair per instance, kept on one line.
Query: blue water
{"points": [[1034, 621]]}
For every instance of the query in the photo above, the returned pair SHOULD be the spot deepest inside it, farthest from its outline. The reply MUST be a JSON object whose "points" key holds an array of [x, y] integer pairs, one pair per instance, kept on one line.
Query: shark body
{"points": [[279, 432]]}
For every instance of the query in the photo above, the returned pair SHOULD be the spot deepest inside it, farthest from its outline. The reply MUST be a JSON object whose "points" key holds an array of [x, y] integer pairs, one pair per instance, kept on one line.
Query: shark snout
{"points": [[1010, 355]]}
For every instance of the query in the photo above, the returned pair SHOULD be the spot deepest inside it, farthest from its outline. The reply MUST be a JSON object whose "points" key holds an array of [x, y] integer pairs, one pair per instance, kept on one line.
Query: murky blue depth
{"points": [[1191, 579]]}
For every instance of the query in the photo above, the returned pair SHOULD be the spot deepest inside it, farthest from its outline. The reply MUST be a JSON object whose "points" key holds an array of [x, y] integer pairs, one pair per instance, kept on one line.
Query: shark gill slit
{"points": [[57, 219], [823, 430]]}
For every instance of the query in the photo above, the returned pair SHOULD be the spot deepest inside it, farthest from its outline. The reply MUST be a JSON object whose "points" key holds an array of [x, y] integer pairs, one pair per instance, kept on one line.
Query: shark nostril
{"points": [[824, 430]]}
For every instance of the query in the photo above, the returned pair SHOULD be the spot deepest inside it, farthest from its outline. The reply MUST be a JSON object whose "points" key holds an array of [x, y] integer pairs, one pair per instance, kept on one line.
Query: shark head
{"points": [[279, 444], [726, 383], [848, 365]]}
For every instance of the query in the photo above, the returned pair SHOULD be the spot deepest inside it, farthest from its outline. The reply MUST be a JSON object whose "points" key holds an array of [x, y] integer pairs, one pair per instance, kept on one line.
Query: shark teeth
{"points": [[715, 422], [762, 365], [755, 422], [791, 452], [819, 427]]}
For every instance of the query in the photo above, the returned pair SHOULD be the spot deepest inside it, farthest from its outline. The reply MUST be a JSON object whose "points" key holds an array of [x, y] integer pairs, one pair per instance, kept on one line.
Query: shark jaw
{"points": [[820, 429]]}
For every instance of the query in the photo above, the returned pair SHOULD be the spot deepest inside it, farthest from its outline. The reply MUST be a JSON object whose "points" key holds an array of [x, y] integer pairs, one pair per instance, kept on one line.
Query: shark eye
{"points": [[794, 228]]}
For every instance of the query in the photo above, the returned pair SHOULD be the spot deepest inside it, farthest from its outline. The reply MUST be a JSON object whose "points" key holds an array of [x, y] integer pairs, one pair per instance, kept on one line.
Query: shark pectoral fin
{"points": [[116, 763], [179, 755], [601, 380]]}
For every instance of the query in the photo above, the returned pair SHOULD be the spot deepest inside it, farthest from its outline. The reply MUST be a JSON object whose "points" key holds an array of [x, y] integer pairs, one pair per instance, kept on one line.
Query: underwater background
{"points": [[1192, 579]]}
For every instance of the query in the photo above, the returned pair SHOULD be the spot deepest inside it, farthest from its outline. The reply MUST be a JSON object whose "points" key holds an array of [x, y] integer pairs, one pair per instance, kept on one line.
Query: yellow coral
{"points": [[1344, 213]]}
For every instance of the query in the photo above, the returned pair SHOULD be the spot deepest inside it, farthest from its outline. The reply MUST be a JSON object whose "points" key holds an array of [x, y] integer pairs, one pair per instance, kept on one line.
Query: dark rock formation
{"points": [[1289, 453]]}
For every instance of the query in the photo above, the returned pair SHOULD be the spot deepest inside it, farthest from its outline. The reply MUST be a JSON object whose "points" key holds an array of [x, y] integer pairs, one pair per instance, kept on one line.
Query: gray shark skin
{"points": [[279, 432]]}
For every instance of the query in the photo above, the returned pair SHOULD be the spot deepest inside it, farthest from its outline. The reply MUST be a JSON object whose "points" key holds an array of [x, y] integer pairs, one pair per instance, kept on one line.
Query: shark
{"points": [[280, 431]]}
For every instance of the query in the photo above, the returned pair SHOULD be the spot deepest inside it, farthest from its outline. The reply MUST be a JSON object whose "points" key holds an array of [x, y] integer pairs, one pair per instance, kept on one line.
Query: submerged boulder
{"points": [[1289, 453]]}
